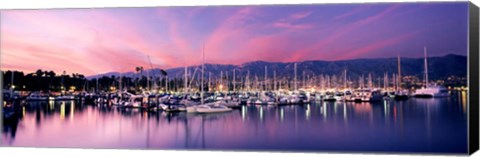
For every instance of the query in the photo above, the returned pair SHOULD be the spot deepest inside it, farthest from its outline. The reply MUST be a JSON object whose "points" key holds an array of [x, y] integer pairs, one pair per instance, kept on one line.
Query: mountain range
{"points": [[438, 68]]}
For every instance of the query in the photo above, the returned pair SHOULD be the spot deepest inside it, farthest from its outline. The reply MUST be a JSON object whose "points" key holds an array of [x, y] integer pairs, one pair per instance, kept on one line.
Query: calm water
{"points": [[416, 125]]}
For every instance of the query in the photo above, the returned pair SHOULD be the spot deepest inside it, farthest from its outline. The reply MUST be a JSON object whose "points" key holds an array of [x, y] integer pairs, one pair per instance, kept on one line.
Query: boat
{"points": [[190, 106], [367, 95], [330, 96], [432, 92], [37, 96], [134, 101], [401, 95], [64, 98], [427, 91], [212, 109], [173, 108], [230, 104]]}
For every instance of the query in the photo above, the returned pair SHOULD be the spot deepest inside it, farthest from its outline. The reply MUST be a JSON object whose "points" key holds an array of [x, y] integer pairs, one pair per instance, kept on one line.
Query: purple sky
{"points": [[91, 41]]}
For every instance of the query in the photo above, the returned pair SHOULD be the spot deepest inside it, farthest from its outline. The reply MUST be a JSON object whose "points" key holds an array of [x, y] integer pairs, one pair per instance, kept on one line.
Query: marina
{"points": [[313, 78], [326, 113], [416, 124]]}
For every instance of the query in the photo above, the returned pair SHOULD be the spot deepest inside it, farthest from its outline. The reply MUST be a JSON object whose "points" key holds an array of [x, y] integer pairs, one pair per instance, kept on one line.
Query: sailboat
{"points": [[400, 94], [208, 107], [430, 91]]}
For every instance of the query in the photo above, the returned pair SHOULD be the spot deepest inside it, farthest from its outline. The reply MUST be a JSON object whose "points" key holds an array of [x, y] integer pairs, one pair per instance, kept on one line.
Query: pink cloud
{"points": [[230, 29], [376, 46], [340, 32], [292, 26], [300, 15], [352, 12]]}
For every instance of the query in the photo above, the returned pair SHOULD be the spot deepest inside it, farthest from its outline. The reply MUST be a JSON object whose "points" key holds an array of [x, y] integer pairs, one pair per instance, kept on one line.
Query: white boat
{"points": [[402, 95], [190, 106], [191, 109], [65, 97], [134, 101], [367, 95], [330, 96], [173, 108], [212, 109], [283, 100], [430, 91], [229, 103], [36, 96]]}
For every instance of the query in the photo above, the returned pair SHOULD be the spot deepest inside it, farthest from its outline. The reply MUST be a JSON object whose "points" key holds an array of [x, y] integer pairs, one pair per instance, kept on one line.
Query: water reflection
{"points": [[411, 125]]}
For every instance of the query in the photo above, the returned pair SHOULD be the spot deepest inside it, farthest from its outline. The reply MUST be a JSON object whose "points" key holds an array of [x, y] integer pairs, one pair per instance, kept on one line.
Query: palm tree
{"points": [[39, 74], [138, 70]]}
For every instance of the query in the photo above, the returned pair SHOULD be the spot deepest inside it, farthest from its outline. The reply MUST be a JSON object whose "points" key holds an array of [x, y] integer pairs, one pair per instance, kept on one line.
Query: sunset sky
{"points": [[91, 41]]}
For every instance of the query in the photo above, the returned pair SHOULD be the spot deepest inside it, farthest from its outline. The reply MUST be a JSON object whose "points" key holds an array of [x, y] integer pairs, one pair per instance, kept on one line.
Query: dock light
{"points": [[13, 86]]}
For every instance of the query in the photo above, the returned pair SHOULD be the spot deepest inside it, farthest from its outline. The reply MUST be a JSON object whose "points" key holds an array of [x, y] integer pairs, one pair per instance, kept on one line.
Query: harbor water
{"points": [[427, 125]]}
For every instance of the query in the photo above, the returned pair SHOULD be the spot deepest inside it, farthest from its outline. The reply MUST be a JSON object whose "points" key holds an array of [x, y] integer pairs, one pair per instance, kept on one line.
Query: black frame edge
{"points": [[473, 54]]}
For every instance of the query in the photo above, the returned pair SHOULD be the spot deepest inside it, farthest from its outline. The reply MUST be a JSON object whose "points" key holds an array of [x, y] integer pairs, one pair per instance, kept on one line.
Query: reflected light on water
{"points": [[282, 114], [261, 112], [422, 125], [464, 101], [307, 112], [23, 111], [325, 110], [52, 104], [62, 111], [335, 105], [385, 109], [72, 110], [244, 112]]}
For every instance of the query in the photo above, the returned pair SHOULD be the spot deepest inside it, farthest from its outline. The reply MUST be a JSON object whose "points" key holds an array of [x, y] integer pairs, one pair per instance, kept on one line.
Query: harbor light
{"points": [[220, 87], [13, 86]]}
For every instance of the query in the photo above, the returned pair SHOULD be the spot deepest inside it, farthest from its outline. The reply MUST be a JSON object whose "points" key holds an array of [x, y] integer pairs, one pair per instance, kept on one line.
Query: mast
{"points": [[304, 83], [345, 80], [11, 85], [426, 67], [97, 83], [209, 81], [399, 75], [370, 80], [295, 79], [233, 81], [274, 80], [265, 80], [248, 80], [221, 80], [228, 83], [120, 83], [166, 84], [203, 71], [185, 80]]}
